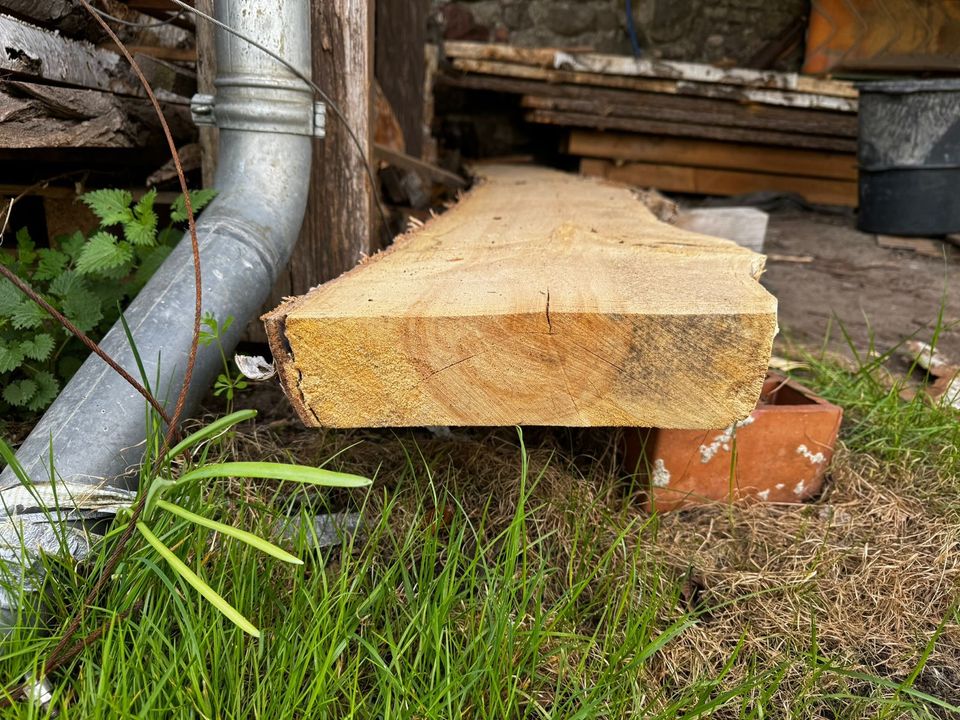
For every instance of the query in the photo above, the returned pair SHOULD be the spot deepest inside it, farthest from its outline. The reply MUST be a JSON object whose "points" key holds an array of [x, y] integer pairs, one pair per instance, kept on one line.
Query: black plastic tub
{"points": [[909, 156]]}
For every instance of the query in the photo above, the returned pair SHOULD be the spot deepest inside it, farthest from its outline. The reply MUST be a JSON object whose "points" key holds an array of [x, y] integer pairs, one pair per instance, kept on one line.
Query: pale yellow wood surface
{"points": [[543, 298]]}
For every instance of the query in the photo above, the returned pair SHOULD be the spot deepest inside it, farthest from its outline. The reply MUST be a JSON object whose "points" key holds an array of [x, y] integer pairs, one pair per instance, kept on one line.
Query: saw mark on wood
{"points": [[453, 364], [598, 356]]}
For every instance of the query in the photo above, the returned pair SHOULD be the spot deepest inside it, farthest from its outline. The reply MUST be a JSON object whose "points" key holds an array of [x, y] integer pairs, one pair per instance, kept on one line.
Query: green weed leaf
{"points": [[111, 206], [208, 431], [103, 253], [20, 392], [242, 535], [199, 199], [28, 315], [10, 297], [212, 596], [47, 389], [66, 282], [10, 357], [50, 264], [39, 348], [72, 244], [276, 471], [83, 308], [25, 247], [142, 229]]}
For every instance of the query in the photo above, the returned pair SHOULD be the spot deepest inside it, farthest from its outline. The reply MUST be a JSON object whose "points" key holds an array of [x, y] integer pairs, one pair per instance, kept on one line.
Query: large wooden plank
{"points": [[626, 65], [673, 108], [708, 153], [541, 299], [710, 181], [786, 98], [656, 127]]}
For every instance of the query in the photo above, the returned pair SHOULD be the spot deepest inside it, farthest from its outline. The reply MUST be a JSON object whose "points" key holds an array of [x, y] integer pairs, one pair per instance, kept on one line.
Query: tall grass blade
{"points": [[199, 585]]}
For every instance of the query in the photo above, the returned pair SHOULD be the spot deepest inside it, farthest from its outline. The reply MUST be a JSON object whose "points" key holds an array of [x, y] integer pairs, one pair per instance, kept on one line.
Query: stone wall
{"points": [[712, 31]]}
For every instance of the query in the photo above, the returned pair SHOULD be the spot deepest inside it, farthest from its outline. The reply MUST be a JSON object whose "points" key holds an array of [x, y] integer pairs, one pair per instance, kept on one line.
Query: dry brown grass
{"points": [[869, 567]]}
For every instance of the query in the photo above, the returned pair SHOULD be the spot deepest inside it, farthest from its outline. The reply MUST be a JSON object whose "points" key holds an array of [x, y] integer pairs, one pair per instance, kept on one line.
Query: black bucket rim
{"points": [[901, 87]]}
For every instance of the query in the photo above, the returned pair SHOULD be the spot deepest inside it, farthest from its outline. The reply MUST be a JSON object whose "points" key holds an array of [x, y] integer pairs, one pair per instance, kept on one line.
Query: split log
{"points": [[541, 299], [46, 116], [70, 18], [34, 53]]}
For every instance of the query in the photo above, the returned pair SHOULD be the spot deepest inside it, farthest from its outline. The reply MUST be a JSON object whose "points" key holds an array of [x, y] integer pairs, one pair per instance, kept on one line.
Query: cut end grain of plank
{"points": [[542, 298]]}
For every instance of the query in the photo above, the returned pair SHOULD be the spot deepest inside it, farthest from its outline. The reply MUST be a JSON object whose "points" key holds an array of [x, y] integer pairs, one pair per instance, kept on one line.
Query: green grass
{"points": [[888, 416], [533, 589]]}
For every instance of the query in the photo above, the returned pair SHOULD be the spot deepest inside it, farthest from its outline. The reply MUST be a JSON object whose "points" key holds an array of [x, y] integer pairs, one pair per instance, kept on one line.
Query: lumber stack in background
{"points": [[542, 298], [66, 93], [73, 115], [682, 127]]}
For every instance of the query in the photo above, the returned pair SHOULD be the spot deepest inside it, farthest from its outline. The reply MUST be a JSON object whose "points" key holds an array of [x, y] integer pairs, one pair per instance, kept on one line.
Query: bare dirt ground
{"points": [[892, 294]]}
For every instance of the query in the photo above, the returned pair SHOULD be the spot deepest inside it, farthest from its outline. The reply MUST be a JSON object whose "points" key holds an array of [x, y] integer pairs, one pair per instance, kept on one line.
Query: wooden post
{"points": [[206, 72], [400, 63], [338, 229]]}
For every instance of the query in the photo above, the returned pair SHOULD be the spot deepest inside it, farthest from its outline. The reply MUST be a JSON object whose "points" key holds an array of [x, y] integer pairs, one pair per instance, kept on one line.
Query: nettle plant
{"points": [[88, 279]]}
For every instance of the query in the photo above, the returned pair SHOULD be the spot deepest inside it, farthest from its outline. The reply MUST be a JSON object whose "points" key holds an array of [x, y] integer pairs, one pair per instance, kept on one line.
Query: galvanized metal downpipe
{"points": [[95, 429]]}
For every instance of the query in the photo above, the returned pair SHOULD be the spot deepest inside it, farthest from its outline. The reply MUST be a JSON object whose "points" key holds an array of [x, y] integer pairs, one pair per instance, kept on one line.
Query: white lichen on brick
{"points": [[764, 495], [800, 487], [780, 486], [815, 458], [722, 441], [660, 475]]}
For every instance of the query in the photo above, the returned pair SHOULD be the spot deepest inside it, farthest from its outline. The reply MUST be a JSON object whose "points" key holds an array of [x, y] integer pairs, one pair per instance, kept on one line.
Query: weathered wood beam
{"points": [[625, 65], [671, 107], [541, 299], [740, 93], [70, 18], [717, 181], [399, 63], [593, 119], [696, 152]]}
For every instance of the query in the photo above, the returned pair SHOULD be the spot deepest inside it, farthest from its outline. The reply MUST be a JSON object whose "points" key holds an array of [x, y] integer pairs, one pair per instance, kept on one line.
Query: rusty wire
{"points": [[63, 652]]}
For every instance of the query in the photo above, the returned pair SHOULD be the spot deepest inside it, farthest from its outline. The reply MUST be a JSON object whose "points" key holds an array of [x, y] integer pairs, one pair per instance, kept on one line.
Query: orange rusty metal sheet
{"points": [[779, 453], [883, 35]]}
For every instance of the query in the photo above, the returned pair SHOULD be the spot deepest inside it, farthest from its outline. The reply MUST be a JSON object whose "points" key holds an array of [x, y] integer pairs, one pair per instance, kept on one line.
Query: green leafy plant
{"points": [[88, 279], [173, 481], [229, 382]]}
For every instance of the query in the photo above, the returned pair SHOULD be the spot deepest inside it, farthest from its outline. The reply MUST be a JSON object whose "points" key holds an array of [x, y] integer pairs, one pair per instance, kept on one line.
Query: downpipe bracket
{"points": [[268, 117]]}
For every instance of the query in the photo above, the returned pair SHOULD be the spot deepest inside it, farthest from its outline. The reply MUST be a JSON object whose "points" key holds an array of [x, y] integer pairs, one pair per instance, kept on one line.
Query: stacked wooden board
{"points": [[682, 127], [542, 298]]}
